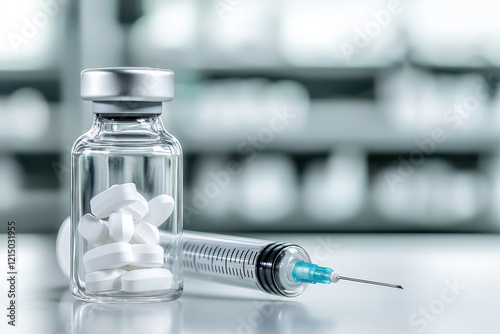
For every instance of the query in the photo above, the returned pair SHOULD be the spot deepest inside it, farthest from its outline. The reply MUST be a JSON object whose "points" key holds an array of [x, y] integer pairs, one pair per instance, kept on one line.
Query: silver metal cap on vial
{"points": [[139, 84]]}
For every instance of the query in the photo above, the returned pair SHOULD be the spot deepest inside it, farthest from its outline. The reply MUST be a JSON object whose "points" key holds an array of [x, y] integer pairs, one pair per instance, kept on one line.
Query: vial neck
{"points": [[126, 108], [127, 126]]}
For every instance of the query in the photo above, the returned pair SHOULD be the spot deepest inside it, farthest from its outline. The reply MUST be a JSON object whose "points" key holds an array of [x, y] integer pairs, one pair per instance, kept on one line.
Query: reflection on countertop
{"points": [[188, 315], [460, 267]]}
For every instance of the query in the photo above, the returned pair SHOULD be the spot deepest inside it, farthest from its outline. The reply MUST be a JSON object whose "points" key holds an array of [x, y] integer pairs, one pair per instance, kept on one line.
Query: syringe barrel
{"points": [[253, 263]]}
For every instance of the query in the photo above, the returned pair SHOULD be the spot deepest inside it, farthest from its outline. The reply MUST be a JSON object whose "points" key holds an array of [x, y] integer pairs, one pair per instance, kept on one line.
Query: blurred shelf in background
{"points": [[401, 134], [290, 72], [36, 211], [336, 122], [34, 62]]}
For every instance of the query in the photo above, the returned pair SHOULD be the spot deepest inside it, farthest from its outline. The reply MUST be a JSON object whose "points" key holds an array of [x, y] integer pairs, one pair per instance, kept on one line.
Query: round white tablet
{"points": [[108, 256], [139, 208], [145, 233], [63, 247], [121, 226], [144, 255], [103, 280], [93, 230], [160, 208], [113, 199], [142, 280]]}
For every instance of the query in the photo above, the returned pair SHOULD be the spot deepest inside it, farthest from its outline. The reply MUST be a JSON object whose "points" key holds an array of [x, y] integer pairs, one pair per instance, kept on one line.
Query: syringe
{"points": [[274, 267]]}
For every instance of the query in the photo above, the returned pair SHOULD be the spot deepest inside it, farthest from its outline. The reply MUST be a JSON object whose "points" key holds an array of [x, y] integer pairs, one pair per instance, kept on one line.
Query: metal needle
{"points": [[370, 282]]}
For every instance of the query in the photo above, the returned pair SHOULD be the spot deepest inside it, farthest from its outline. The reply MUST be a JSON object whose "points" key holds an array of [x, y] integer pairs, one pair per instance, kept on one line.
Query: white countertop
{"points": [[426, 265]]}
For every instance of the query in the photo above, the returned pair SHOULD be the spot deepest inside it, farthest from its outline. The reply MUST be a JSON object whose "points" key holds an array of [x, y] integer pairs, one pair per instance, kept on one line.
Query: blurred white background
{"points": [[367, 115]]}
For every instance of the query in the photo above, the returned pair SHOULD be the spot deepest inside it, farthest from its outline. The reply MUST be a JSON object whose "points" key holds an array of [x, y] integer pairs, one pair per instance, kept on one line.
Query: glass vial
{"points": [[126, 148]]}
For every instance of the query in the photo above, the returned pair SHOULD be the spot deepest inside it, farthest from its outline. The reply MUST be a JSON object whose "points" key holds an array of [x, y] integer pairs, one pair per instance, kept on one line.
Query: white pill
{"points": [[63, 247], [147, 280], [145, 233], [104, 280], [93, 230], [121, 226], [147, 256], [113, 199], [160, 208], [108, 256], [139, 208]]}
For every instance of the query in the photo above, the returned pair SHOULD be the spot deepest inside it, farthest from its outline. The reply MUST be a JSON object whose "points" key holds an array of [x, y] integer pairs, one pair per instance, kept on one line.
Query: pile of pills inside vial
{"points": [[123, 230]]}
